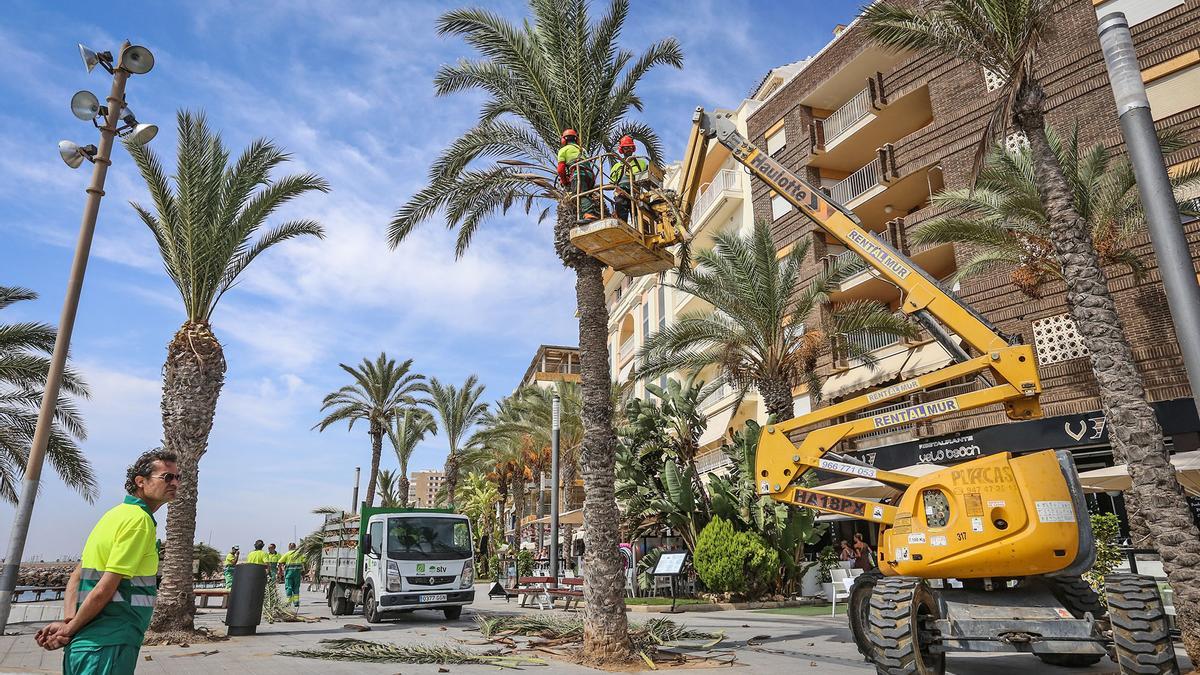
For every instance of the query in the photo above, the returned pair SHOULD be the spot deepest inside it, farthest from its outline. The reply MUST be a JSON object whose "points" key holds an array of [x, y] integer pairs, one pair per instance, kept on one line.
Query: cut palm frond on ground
{"points": [[648, 638], [353, 649]]}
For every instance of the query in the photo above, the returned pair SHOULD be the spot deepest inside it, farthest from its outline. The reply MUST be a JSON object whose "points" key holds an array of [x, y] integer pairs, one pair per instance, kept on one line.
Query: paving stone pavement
{"points": [[792, 644]]}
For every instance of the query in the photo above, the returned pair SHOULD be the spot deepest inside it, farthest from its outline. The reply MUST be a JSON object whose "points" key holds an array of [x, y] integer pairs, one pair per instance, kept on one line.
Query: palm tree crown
{"points": [[381, 389], [1004, 220], [208, 225], [23, 370], [458, 409], [761, 331], [408, 429]]}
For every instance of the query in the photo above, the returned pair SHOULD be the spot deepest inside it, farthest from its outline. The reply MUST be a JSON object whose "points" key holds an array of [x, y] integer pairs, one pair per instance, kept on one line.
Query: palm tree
{"points": [[407, 430], [556, 70], [209, 227], [380, 391], [764, 331], [1007, 38], [24, 367], [458, 409], [387, 489], [1007, 226]]}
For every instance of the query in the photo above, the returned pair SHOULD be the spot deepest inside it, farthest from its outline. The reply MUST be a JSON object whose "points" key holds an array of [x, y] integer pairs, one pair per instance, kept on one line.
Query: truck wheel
{"points": [[1139, 625], [1079, 598], [858, 610], [452, 613], [370, 608], [337, 601], [901, 628]]}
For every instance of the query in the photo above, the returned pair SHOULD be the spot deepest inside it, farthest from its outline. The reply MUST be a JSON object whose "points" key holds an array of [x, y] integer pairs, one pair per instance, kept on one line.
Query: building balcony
{"points": [[851, 135], [894, 358], [718, 199], [626, 351], [864, 183]]}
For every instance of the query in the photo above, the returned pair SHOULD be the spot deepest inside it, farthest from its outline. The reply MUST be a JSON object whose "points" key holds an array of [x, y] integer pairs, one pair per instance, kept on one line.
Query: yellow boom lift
{"points": [[982, 556]]}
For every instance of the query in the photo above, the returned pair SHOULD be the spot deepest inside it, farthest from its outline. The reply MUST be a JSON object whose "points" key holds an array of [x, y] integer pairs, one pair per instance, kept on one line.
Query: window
{"points": [[1174, 93], [1136, 11], [645, 319], [376, 538], [779, 207], [776, 140], [662, 306]]}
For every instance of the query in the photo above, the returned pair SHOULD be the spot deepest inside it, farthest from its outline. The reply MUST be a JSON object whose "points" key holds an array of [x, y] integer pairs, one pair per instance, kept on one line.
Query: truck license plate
{"points": [[436, 597]]}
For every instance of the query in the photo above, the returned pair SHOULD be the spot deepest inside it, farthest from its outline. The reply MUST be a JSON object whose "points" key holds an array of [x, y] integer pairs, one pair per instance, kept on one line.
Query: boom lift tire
{"points": [[1079, 598], [901, 628], [858, 610], [1141, 635]]}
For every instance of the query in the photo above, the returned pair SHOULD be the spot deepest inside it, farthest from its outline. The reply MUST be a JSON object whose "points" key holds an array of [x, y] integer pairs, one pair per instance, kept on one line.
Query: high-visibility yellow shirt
{"points": [[569, 153], [293, 558], [273, 557], [124, 542], [258, 557], [636, 165], [231, 559]]}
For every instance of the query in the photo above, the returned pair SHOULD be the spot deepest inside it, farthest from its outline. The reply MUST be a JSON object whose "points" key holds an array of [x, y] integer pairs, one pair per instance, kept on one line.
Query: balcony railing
{"points": [[856, 183], [626, 349], [847, 116], [870, 340], [726, 179], [883, 409], [710, 461]]}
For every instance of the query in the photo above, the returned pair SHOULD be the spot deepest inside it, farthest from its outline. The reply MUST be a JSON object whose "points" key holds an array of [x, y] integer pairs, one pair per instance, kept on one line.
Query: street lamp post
{"points": [[131, 60], [556, 409], [1154, 186]]}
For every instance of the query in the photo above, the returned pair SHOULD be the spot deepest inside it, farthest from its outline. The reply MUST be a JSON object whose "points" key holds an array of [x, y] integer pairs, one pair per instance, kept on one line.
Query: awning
{"points": [[865, 488], [716, 427], [573, 517], [861, 377], [1116, 478], [925, 359]]}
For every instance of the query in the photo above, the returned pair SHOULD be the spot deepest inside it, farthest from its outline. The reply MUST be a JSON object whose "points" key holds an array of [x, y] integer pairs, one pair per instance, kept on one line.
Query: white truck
{"points": [[391, 561]]}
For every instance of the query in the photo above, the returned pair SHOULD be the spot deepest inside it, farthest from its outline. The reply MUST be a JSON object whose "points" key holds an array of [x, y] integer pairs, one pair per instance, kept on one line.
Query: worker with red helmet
{"points": [[624, 172], [577, 175]]}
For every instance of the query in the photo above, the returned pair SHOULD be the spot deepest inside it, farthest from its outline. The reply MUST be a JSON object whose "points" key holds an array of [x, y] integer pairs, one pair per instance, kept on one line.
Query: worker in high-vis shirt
{"points": [[273, 557], [293, 569], [231, 560], [110, 596], [258, 556]]}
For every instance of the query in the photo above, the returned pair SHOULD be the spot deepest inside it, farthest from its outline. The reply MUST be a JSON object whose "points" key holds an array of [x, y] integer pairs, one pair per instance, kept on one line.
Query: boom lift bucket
{"points": [[615, 243]]}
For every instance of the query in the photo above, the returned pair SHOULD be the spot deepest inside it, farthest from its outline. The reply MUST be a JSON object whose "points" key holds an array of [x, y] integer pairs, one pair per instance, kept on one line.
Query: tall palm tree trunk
{"points": [[376, 434], [1136, 435], [777, 399], [192, 379], [404, 488], [451, 484], [605, 627]]}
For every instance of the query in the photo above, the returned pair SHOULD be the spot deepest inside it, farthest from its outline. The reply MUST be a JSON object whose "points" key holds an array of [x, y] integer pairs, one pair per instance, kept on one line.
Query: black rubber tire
{"points": [[1141, 634], [899, 607], [452, 613], [858, 610], [1079, 598], [340, 606], [370, 608]]}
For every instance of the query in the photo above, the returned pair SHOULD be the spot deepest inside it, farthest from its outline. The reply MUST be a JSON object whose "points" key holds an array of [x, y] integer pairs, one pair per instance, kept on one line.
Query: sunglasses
{"points": [[168, 477]]}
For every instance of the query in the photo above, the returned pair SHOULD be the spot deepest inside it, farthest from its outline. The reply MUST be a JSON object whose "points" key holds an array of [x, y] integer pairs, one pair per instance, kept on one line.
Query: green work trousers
{"points": [[228, 576], [100, 660], [583, 178], [291, 583]]}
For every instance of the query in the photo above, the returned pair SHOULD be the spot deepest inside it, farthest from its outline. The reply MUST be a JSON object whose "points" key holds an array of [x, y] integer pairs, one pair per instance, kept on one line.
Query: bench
{"points": [[571, 590], [204, 594], [533, 586]]}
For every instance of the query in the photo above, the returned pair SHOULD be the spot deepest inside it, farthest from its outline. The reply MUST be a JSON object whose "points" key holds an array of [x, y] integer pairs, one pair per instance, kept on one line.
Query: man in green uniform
{"points": [[293, 569], [231, 560], [577, 175], [273, 557], [258, 556], [624, 180], [111, 593]]}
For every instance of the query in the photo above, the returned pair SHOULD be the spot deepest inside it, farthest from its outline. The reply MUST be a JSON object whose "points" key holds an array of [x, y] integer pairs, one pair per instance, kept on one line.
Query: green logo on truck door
{"points": [[420, 568]]}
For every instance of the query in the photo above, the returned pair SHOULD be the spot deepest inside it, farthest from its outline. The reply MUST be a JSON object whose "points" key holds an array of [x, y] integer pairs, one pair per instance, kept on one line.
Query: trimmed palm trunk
{"points": [[376, 433], [1136, 436], [404, 487], [451, 484], [605, 627], [777, 399], [192, 379]]}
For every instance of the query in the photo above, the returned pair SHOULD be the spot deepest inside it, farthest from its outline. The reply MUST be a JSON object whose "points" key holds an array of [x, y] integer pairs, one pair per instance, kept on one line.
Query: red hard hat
{"points": [[627, 142], [568, 132]]}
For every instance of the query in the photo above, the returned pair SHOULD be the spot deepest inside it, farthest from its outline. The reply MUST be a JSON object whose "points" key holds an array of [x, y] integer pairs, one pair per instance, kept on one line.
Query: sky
{"points": [[347, 89]]}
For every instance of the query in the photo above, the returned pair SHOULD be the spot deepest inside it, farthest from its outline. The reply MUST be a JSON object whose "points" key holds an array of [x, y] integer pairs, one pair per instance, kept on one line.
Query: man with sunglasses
{"points": [[111, 593]]}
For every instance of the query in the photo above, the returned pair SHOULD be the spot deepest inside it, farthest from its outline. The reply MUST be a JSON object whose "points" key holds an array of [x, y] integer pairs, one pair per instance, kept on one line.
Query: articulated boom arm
{"points": [[1011, 367]]}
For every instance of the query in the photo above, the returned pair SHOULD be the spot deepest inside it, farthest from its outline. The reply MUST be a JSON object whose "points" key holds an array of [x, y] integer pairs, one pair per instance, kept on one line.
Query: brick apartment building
{"points": [[882, 131]]}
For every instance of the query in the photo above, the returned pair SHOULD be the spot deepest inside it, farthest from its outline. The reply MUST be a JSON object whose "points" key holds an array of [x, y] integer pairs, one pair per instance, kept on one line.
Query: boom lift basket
{"points": [[615, 243]]}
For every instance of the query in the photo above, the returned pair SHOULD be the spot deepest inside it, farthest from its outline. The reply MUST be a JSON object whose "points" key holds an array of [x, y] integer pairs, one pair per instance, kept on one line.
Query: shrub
{"points": [[1106, 529], [827, 559], [524, 563], [740, 563]]}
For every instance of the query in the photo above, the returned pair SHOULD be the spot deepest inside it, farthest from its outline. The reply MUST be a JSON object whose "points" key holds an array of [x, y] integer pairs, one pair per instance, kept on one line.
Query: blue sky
{"points": [[347, 88]]}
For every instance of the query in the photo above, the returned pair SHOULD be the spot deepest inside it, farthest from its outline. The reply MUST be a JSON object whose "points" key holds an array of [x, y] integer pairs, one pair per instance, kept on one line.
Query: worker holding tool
{"points": [[110, 596], [576, 174], [231, 560], [293, 569], [624, 173]]}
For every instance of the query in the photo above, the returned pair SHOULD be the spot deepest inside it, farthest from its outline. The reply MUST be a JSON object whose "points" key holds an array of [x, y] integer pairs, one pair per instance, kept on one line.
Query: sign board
{"points": [[670, 563]]}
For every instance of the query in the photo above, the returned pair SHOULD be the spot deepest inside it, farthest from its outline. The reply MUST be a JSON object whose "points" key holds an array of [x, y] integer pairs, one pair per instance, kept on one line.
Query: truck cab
{"points": [[404, 560]]}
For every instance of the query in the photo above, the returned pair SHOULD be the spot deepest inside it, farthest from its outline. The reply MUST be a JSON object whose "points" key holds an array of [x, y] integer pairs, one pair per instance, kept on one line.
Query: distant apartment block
{"points": [[425, 487]]}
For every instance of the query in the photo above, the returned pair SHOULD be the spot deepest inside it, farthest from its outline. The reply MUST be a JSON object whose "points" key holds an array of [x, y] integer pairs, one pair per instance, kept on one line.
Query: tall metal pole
{"points": [[62, 341], [354, 498], [554, 433], [1154, 186]]}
